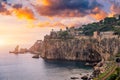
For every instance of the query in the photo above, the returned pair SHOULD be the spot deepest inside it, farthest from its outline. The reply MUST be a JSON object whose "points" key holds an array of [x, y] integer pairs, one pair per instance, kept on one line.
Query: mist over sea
{"points": [[24, 67]]}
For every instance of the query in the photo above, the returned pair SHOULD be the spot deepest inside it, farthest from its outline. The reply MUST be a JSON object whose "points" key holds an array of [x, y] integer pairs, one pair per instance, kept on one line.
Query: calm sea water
{"points": [[23, 67]]}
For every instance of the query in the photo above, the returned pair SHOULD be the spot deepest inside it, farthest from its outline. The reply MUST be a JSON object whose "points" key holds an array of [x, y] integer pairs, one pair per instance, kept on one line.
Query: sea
{"points": [[24, 67]]}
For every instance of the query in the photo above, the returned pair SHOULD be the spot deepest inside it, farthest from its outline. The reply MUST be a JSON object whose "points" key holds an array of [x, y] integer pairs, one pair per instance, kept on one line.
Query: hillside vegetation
{"points": [[108, 24]]}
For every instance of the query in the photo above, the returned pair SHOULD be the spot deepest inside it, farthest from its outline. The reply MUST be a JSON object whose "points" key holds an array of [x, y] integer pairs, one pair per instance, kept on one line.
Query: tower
{"points": [[95, 34]]}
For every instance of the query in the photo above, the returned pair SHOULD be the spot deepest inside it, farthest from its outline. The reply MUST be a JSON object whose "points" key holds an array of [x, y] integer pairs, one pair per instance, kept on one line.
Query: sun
{"points": [[2, 42]]}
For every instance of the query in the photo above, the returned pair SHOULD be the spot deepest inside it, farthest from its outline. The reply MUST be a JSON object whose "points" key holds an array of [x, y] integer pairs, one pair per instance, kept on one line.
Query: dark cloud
{"points": [[67, 8], [16, 9], [17, 6], [3, 10], [3, 7]]}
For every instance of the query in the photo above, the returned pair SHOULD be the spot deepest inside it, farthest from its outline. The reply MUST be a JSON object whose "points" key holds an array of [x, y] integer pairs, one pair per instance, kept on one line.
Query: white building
{"points": [[117, 16], [108, 34]]}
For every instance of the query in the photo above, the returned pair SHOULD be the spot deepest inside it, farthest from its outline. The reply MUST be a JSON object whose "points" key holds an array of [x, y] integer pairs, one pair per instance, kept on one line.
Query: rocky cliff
{"points": [[91, 50]]}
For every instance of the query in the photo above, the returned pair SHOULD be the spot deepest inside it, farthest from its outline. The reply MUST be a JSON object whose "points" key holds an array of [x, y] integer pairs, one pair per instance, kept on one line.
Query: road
{"points": [[111, 72]]}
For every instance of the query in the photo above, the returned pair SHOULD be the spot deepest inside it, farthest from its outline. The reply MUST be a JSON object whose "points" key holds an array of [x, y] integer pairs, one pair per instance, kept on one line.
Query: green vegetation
{"points": [[109, 68], [90, 28], [115, 75], [108, 24], [112, 77], [117, 31], [65, 35], [118, 55]]}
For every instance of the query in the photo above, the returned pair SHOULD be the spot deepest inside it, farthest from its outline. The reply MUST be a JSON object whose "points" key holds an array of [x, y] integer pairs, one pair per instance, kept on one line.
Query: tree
{"points": [[118, 71], [112, 77]]}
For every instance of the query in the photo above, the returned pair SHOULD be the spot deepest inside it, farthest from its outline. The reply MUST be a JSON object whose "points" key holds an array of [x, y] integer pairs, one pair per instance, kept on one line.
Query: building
{"points": [[117, 26], [53, 34], [102, 35], [117, 16], [71, 31], [108, 34], [96, 34]]}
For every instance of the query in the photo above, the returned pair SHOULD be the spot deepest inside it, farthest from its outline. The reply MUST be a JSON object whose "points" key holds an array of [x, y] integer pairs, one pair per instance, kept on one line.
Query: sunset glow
{"points": [[22, 21], [59, 39], [2, 42]]}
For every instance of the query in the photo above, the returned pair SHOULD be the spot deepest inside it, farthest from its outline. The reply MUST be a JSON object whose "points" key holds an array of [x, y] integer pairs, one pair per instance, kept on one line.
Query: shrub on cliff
{"points": [[118, 55], [117, 31], [108, 24], [65, 35], [115, 76], [112, 77]]}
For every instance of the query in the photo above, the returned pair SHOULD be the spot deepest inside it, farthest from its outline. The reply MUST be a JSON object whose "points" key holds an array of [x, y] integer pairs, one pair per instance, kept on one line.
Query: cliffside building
{"points": [[102, 35], [53, 34], [107, 34], [73, 31], [96, 34], [117, 16]]}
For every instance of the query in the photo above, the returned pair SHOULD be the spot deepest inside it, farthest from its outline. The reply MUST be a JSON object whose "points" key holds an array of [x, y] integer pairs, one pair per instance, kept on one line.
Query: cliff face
{"points": [[91, 50], [36, 47]]}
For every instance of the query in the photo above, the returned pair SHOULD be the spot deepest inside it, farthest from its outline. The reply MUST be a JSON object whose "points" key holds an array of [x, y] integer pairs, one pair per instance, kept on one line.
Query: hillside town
{"points": [[77, 32], [72, 32]]}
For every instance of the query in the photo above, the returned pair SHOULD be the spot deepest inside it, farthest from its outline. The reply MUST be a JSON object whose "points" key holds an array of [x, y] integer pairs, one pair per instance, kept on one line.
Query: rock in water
{"points": [[74, 78], [36, 56]]}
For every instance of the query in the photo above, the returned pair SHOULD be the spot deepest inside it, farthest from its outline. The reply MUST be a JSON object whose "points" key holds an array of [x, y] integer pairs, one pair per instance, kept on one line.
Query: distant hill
{"points": [[108, 24]]}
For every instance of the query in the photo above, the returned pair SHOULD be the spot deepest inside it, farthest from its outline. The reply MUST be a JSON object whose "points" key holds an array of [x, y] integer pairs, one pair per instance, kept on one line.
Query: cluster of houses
{"points": [[102, 35], [74, 32], [79, 34], [71, 32]]}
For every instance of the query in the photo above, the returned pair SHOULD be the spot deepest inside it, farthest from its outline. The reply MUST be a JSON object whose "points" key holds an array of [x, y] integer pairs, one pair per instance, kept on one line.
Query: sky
{"points": [[25, 21]]}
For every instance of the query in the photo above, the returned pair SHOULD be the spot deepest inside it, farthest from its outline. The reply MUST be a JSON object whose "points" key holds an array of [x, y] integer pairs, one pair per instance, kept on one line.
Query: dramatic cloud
{"points": [[98, 13], [24, 13], [48, 24], [63, 12], [66, 8], [3, 9], [114, 10], [70, 22], [16, 9], [17, 6]]}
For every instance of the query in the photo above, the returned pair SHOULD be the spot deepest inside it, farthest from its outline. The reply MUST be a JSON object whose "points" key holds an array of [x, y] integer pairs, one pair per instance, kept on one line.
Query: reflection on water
{"points": [[68, 64], [23, 67]]}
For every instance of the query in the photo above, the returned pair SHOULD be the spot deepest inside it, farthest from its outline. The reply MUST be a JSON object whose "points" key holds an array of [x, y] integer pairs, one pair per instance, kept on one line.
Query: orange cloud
{"points": [[46, 2], [65, 8], [114, 10], [48, 24], [3, 9], [17, 10], [24, 13], [98, 14]]}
